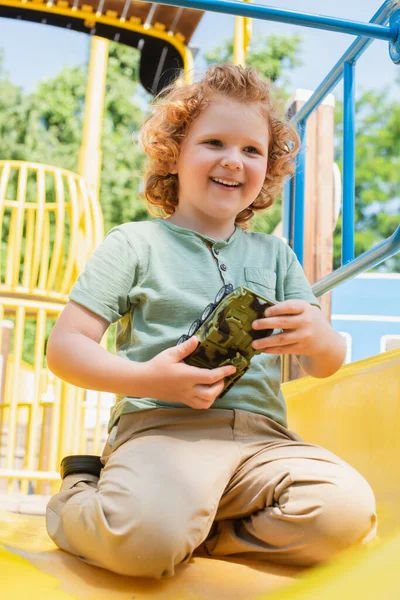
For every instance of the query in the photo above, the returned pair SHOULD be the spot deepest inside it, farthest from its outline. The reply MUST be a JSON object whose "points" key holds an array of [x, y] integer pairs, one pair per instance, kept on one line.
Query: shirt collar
{"points": [[190, 233]]}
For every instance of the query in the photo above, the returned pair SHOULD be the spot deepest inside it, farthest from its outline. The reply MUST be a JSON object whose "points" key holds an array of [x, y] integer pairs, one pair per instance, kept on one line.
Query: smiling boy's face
{"points": [[222, 166]]}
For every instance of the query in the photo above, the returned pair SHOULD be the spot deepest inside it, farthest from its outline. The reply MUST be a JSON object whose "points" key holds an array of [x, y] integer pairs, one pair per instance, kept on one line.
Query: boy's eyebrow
{"points": [[213, 135]]}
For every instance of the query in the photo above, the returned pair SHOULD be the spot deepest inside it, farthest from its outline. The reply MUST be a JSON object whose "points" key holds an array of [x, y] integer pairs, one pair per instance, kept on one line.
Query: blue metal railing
{"points": [[369, 259], [349, 162], [269, 13], [293, 218], [352, 54], [345, 68]]}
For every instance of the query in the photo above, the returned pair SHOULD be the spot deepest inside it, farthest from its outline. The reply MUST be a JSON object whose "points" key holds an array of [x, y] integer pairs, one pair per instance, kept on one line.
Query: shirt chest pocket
{"points": [[262, 281]]}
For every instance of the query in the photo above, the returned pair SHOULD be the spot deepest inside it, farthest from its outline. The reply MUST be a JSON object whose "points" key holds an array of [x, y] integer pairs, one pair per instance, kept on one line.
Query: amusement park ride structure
{"points": [[51, 222]]}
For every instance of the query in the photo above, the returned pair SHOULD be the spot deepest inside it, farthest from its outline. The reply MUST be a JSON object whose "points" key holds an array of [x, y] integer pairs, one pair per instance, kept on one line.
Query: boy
{"points": [[184, 469]]}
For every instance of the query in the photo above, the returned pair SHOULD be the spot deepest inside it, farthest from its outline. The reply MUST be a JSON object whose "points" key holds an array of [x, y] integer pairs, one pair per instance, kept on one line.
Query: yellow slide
{"points": [[355, 413]]}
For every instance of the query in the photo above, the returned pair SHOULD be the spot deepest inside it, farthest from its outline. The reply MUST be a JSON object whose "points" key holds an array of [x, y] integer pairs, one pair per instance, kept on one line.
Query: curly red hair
{"points": [[178, 106]]}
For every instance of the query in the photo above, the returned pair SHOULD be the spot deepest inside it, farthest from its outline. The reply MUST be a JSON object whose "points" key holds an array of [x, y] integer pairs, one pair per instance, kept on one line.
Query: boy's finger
{"points": [[183, 350], [278, 339], [210, 376], [281, 322], [288, 307], [208, 391]]}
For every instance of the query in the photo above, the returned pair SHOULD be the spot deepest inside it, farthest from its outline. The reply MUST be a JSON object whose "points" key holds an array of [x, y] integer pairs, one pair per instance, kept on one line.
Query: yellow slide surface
{"points": [[356, 414]]}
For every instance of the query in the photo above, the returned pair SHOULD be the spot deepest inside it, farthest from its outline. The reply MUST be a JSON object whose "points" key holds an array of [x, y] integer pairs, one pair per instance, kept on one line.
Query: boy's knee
{"points": [[148, 549], [347, 516]]}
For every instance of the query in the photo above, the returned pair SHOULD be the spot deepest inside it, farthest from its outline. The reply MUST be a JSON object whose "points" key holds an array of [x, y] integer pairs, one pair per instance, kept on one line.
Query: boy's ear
{"points": [[173, 169]]}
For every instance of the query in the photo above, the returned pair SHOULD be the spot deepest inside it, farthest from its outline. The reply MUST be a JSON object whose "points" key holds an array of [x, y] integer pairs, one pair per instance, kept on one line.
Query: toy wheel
{"points": [[194, 327], [224, 291], [207, 311], [182, 339]]}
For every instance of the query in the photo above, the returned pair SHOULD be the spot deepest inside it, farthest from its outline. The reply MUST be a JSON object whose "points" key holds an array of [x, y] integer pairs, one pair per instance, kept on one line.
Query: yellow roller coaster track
{"points": [[161, 33]]}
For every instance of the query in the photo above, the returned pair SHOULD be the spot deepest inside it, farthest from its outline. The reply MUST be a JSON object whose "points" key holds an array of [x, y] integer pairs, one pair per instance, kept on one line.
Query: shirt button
{"points": [[216, 251], [223, 267]]}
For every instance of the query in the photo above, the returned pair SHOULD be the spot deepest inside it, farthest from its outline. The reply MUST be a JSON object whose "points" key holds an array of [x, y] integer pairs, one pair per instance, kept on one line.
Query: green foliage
{"points": [[46, 127], [272, 55], [123, 161]]}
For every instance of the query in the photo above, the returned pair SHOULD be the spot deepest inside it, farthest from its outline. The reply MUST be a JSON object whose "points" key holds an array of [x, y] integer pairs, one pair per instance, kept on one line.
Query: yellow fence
{"points": [[50, 224]]}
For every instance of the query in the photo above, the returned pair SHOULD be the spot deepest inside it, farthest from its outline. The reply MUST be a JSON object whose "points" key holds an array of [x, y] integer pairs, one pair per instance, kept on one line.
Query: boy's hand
{"points": [[305, 329], [170, 379]]}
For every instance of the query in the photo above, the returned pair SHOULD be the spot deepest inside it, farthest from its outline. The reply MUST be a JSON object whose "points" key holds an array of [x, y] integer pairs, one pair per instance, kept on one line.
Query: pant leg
{"points": [[157, 496], [291, 502]]}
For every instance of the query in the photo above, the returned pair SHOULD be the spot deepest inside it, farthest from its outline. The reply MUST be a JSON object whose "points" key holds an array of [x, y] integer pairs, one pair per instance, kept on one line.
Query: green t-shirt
{"points": [[156, 278]]}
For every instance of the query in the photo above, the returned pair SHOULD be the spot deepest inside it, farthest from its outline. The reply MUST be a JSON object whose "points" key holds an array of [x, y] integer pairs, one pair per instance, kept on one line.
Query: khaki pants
{"points": [[223, 481]]}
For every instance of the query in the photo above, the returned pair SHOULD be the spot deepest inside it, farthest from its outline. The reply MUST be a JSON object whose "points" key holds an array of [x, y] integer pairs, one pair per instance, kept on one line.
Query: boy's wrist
{"points": [[328, 358], [140, 380]]}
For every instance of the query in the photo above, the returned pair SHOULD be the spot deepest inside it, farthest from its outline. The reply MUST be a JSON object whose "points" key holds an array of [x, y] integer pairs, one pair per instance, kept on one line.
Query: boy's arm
{"points": [[74, 354]]}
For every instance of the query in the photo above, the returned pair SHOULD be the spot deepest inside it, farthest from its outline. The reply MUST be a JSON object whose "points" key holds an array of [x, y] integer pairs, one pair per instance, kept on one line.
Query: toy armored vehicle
{"points": [[225, 332]]}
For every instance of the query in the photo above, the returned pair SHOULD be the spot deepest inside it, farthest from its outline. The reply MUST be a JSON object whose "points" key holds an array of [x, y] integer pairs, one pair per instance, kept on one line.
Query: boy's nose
{"points": [[232, 161]]}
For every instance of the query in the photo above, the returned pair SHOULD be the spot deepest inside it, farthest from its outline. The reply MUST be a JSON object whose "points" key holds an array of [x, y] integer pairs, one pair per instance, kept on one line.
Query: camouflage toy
{"points": [[225, 332]]}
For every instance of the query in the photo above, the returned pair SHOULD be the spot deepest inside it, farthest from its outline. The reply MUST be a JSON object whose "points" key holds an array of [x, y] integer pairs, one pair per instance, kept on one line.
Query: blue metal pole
{"points": [[299, 196], [349, 132], [268, 13], [352, 54], [287, 209], [366, 261]]}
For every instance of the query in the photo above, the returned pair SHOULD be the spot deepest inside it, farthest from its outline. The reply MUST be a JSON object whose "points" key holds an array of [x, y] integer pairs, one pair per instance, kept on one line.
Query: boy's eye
{"points": [[252, 150]]}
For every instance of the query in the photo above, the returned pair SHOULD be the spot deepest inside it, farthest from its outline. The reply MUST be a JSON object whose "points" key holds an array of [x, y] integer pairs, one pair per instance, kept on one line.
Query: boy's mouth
{"points": [[224, 183]]}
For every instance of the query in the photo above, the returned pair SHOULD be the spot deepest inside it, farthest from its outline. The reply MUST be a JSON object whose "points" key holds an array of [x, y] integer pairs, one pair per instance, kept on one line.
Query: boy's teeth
{"points": [[225, 182]]}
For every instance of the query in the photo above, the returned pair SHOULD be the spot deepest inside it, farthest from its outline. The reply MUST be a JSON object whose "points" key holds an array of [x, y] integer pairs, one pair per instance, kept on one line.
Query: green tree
{"points": [[123, 161], [273, 56], [46, 126]]}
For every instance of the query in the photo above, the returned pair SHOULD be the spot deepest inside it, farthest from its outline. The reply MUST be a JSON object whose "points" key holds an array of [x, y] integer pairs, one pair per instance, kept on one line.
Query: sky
{"points": [[33, 52]]}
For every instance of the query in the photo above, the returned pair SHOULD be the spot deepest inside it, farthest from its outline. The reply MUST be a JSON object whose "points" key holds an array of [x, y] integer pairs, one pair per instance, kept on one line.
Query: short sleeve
{"points": [[109, 275], [296, 285]]}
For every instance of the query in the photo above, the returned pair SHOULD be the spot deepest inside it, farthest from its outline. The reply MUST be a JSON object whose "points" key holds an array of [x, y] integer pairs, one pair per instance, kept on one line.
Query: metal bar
{"points": [[349, 156], [36, 417], [29, 243], [366, 261], [24, 474], [53, 306], [55, 387], [268, 13], [299, 197], [287, 207], [352, 54], [74, 214], [90, 151], [16, 388], [4, 179], [45, 253], [57, 229], [40, 216]]}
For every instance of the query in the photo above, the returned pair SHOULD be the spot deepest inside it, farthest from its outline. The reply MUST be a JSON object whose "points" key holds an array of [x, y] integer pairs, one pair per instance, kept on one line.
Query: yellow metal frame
{"points": [[90, 18], [90, 152], [242, 37], [40, 269], [43, 274]]}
